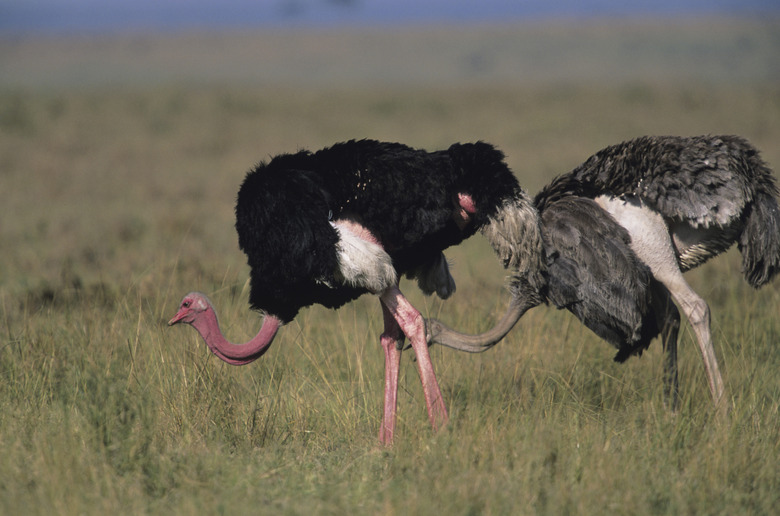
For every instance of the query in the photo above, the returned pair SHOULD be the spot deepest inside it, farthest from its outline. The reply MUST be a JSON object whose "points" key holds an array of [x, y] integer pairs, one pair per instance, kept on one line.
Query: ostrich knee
{"points": [[698, 313]]}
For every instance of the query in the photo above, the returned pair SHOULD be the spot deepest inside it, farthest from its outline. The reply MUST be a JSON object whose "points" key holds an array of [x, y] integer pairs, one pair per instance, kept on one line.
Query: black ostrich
{"points": [[681, 201], [329, 226]]}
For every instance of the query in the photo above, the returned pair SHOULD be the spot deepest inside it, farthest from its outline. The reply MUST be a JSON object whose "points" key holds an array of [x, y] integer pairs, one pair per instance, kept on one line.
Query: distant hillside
{"points": [[704, 50]]}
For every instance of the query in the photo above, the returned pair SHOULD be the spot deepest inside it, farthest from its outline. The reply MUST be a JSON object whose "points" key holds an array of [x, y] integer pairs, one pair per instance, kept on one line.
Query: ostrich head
{"points": [[196, 310], [191, 308]]}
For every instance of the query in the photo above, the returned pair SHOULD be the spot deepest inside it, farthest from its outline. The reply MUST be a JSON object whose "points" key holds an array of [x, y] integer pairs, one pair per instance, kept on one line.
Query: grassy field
{"points": [[117, 200]]}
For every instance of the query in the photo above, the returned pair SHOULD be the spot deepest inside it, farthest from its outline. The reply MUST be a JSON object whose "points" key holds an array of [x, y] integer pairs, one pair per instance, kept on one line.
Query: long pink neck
{"points": [[236, 354]]}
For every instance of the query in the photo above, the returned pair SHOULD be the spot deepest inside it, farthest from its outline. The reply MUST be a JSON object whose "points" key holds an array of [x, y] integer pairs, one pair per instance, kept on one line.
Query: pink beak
{"points": [[179, 316]]}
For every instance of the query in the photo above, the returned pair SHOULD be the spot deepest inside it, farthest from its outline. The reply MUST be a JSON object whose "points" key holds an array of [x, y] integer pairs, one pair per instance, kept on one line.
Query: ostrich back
{"points": [[712, 191], [703, 180], [403, 196]]}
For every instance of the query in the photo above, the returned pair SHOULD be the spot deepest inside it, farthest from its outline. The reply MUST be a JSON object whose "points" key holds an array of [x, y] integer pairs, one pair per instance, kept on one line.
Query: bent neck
{"points": [[236, 354], [526, 293], [438, 333]]}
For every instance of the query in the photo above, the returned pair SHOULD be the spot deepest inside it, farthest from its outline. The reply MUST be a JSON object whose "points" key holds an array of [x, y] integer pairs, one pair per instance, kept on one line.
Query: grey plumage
{"points": [[716, 185], [589, 269], [684, 201], [514, 233], [660, 205], [593, 273]]}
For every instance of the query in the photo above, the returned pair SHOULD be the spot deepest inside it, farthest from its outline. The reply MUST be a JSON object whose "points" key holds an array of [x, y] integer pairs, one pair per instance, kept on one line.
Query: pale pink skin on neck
{"points": [[196, 310]]}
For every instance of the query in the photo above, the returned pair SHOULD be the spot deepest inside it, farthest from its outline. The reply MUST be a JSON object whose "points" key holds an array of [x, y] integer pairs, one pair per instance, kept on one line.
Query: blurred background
{"points": [[374, 42]]}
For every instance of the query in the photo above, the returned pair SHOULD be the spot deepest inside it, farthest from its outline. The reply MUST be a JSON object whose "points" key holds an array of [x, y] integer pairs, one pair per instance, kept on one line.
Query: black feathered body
{"points": [[593, 273], [405, 197]]}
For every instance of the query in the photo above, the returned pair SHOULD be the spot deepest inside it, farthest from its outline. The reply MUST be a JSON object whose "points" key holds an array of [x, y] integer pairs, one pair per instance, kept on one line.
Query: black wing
{"points": [[595, 275]]}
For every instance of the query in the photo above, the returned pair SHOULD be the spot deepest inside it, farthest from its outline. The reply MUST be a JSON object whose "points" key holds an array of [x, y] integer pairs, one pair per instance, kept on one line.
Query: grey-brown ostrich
{"points": [[329, 226], [681, 201]]}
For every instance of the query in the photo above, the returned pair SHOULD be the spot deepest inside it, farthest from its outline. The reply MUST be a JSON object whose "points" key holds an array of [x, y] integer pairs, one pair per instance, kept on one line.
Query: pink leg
{"points": [[413, 326], [390, 339]]}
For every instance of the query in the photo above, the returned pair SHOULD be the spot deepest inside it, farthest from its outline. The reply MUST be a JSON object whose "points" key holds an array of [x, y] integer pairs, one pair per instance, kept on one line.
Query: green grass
{"points": [[117, 201]]}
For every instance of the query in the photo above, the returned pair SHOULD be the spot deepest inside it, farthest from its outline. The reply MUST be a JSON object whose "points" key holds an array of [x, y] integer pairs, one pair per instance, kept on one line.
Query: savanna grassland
{"points": [[120, 159]]}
